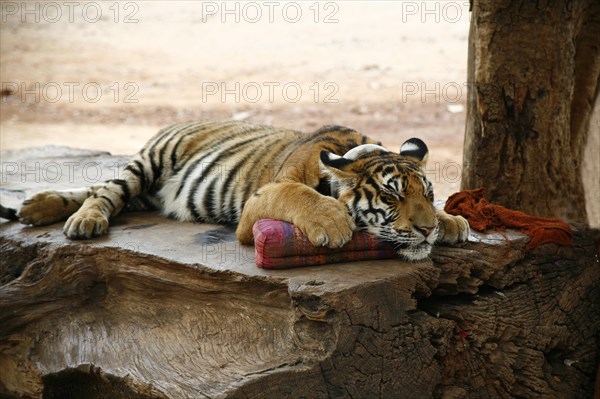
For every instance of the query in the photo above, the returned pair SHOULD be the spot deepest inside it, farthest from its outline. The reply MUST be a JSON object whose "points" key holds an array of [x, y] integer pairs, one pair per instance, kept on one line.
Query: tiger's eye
{"points": [[391, 197]]}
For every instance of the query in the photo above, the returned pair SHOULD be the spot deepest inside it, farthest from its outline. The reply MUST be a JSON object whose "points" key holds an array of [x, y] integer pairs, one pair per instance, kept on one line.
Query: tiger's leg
{"points": [[49, 207], [324, 220], [452, 229], [91, 220]]}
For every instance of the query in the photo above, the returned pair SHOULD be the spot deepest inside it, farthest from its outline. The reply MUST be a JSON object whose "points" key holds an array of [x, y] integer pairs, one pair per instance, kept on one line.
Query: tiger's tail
{"points": [[8, 213]]}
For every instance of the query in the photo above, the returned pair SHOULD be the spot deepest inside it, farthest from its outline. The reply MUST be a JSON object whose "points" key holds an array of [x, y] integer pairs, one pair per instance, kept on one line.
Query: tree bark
{"points": [[534, 75]]}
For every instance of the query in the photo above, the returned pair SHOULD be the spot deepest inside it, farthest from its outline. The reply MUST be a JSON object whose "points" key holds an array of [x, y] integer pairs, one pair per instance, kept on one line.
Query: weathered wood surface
{"points": [[162, 309]]}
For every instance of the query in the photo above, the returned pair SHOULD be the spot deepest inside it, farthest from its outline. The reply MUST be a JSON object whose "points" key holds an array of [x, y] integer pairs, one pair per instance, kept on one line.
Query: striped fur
{"points": [[389, 196], [235, 173]]}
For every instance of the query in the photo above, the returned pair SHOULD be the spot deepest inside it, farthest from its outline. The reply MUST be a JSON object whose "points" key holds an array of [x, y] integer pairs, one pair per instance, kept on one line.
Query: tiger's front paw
{"points": [[453, 229], [328, 224], [86, 224], [44, 208]]}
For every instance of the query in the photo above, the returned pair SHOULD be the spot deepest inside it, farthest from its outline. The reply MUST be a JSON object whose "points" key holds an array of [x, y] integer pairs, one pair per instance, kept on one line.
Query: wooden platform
{"points": [[163, 309]]}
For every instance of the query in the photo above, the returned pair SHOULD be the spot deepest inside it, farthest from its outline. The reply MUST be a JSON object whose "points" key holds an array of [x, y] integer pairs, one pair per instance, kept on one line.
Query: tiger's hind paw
{"points": [[45, 208], [86, 224]]}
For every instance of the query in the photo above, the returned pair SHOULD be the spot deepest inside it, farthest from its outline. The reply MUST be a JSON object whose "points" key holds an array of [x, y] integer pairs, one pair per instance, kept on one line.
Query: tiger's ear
{"points": [[416, 150], [342, 166], [338, 166]]}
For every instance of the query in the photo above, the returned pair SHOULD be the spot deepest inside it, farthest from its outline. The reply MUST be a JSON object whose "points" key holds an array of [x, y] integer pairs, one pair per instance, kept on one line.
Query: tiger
{"points": [[329, 184]]}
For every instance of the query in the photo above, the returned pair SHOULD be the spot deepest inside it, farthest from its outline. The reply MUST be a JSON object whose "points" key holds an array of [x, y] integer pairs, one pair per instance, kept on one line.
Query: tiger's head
{"points": [[387, 194]]}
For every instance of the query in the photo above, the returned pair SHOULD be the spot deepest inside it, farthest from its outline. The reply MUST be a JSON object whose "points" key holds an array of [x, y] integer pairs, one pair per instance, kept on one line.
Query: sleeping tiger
{"points": [[329, 184]]}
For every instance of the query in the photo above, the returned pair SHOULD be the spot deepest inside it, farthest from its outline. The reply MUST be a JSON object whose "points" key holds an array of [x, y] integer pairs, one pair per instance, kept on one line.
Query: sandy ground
{"points": [[105, 75]]}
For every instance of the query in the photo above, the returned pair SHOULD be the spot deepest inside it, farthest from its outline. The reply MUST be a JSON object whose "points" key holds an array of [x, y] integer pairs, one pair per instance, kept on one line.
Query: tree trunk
{"points": [[534, 75]]}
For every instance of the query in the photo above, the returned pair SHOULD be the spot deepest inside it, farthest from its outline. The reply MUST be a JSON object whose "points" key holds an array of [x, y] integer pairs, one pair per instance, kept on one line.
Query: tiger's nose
{"points": [[425, 230]]}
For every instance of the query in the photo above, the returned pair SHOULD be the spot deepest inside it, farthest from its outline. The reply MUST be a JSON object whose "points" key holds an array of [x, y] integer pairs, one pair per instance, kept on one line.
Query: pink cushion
{"points": [[281, 245]]}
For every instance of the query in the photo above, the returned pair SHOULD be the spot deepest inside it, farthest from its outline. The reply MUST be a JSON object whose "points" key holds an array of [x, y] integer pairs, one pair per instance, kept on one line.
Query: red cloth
{"points": [[483, 215], [281, 245]]}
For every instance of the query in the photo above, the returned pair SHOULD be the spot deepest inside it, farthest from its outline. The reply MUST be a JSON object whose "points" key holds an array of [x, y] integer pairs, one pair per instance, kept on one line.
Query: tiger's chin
{"points": [[415, 253]]}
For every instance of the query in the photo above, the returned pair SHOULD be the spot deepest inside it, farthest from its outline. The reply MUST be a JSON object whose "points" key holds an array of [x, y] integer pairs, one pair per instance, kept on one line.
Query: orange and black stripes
{"points": [[206, 171], [236, 173]]}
